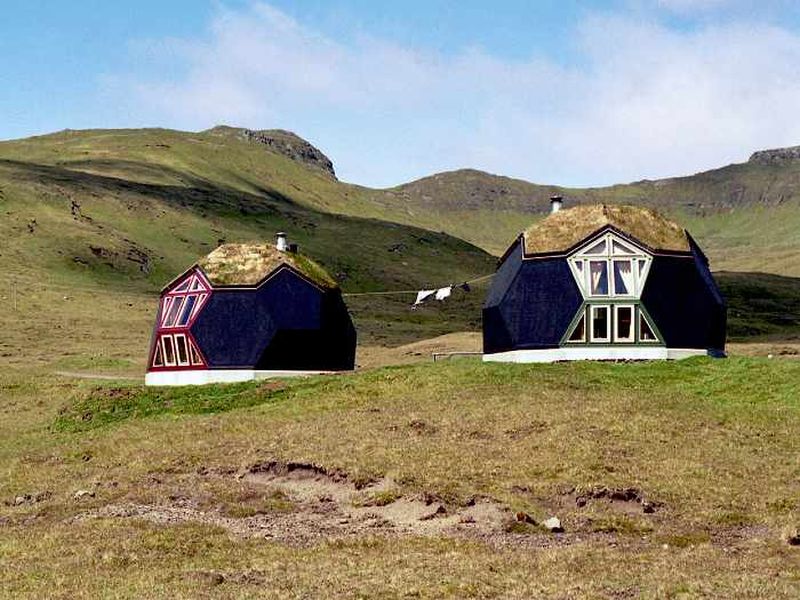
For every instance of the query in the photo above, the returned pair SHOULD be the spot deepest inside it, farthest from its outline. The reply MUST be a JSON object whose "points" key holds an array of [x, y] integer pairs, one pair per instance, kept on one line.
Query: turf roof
{"points": [[248, 264], [561, 231]]}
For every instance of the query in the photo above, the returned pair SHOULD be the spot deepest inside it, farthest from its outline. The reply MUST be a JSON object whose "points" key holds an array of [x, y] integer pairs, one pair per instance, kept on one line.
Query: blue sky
{"points": [[575, 93]]}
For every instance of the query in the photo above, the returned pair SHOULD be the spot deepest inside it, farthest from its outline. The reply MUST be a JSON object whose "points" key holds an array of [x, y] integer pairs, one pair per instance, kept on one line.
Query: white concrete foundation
{"points": [[594, 353], [203, 376]]}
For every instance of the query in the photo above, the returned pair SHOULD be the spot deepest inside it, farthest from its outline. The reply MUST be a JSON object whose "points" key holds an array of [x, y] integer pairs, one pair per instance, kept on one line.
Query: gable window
{"points": [[183, 302], [610, 267]]}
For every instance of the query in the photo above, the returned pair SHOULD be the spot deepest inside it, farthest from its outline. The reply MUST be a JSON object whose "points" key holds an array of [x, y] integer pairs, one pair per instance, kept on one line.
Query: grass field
{"points": [[405, 479], [709, 445]]}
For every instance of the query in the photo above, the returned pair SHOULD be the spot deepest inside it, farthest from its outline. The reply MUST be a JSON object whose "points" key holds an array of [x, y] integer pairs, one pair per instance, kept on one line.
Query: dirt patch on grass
{"points": [[319, 504]]}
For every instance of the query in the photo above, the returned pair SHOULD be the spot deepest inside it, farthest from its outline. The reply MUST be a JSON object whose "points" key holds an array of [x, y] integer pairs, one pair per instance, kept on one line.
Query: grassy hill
{"points": [[754, 205], [746, 216], [95, 222]]}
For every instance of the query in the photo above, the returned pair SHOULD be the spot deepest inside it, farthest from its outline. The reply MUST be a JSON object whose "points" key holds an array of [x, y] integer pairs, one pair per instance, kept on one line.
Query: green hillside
{"points": [[95, 222], [746, 216]]}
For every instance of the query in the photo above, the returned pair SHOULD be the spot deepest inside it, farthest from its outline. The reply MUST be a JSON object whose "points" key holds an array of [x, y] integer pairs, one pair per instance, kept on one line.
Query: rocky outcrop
{"points": [[282, 142], [778, 156]]}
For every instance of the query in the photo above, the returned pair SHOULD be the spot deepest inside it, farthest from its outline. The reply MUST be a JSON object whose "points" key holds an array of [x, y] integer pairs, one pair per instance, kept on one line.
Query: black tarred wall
{"points": [[683, 300], [286, 323], [530, 304]]}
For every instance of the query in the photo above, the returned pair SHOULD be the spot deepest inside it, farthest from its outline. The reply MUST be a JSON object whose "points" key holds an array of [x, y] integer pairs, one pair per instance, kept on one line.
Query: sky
{"points": [[559, 92]]}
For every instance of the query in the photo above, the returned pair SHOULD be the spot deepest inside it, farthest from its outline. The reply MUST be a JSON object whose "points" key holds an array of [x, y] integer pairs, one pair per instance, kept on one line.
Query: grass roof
{"points": [[562, 230], [248, 264]]}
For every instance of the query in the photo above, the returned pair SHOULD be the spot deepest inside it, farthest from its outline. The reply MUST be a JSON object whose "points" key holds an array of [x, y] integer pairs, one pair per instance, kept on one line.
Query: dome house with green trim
{"points": [[248, 311], [602, 282]]}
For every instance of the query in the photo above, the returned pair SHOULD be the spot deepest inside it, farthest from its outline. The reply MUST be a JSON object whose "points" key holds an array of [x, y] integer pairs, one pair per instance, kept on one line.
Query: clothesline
{"points": [[398, 292]]}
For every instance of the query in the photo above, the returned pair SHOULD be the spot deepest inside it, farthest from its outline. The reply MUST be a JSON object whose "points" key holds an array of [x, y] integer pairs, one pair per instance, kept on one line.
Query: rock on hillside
{"points": [[777, 156], [282, 142]]}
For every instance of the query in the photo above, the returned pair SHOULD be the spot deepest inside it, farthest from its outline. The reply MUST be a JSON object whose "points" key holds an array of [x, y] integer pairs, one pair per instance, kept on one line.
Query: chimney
{"points": [[281, 243], [555, 204]]}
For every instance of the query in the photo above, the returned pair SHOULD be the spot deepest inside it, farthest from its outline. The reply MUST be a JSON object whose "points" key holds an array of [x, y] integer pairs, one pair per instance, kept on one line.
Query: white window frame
{"points": [[632, 337], [164, 340], [641, 316], [583, 275], [592, 338], [188, 360], [585, 320]]}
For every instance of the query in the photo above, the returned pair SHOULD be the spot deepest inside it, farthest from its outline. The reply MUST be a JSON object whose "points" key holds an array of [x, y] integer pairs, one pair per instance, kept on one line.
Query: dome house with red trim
{"points": [[602, 282], [248, 311]]}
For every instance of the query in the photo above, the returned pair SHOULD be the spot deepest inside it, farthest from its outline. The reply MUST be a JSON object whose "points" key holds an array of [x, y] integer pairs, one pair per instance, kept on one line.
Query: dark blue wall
{"points": [[530, 304], [286, 323], [685, 303]]}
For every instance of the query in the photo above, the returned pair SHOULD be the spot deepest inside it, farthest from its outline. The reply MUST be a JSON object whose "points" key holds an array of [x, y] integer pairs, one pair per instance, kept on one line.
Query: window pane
{"points": [[173, 313], [169, 351], [618, 248], [624, 323], [158, 361], [623, 277], [642, 263], [598, 270], [196, 360], [645, 331], [183, 354], [188, 305], [599, 248], [183, 286], [599, 323], [579, 333]]}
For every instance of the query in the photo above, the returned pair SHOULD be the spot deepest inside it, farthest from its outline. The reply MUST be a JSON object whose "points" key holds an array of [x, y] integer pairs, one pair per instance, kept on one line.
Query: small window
{"points": [[194, 355], [169, 351], [623, 323], [623, 278], [598, 273], [181, 350], [184, 286], [158, 357], [579, 331], [642, 264], [601, 324], [618, 248], [645, 330], [598, 248]]}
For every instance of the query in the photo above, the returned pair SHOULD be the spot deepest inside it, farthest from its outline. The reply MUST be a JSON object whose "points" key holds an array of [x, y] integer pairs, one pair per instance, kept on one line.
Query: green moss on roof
{"points": [[248, 264], [562, 230]]}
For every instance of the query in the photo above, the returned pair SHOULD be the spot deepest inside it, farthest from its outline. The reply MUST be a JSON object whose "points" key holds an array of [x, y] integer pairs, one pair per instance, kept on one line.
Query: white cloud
{"points": [[643, 101]]}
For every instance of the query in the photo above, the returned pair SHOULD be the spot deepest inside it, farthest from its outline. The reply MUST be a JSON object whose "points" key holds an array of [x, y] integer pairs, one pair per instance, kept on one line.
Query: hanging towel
{"points": [[423, 295], [444, 292]]}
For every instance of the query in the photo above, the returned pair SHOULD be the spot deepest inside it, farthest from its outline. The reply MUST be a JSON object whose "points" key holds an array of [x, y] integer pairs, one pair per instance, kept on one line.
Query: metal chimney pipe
{"points": [[555, 204], [281, 244]]}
